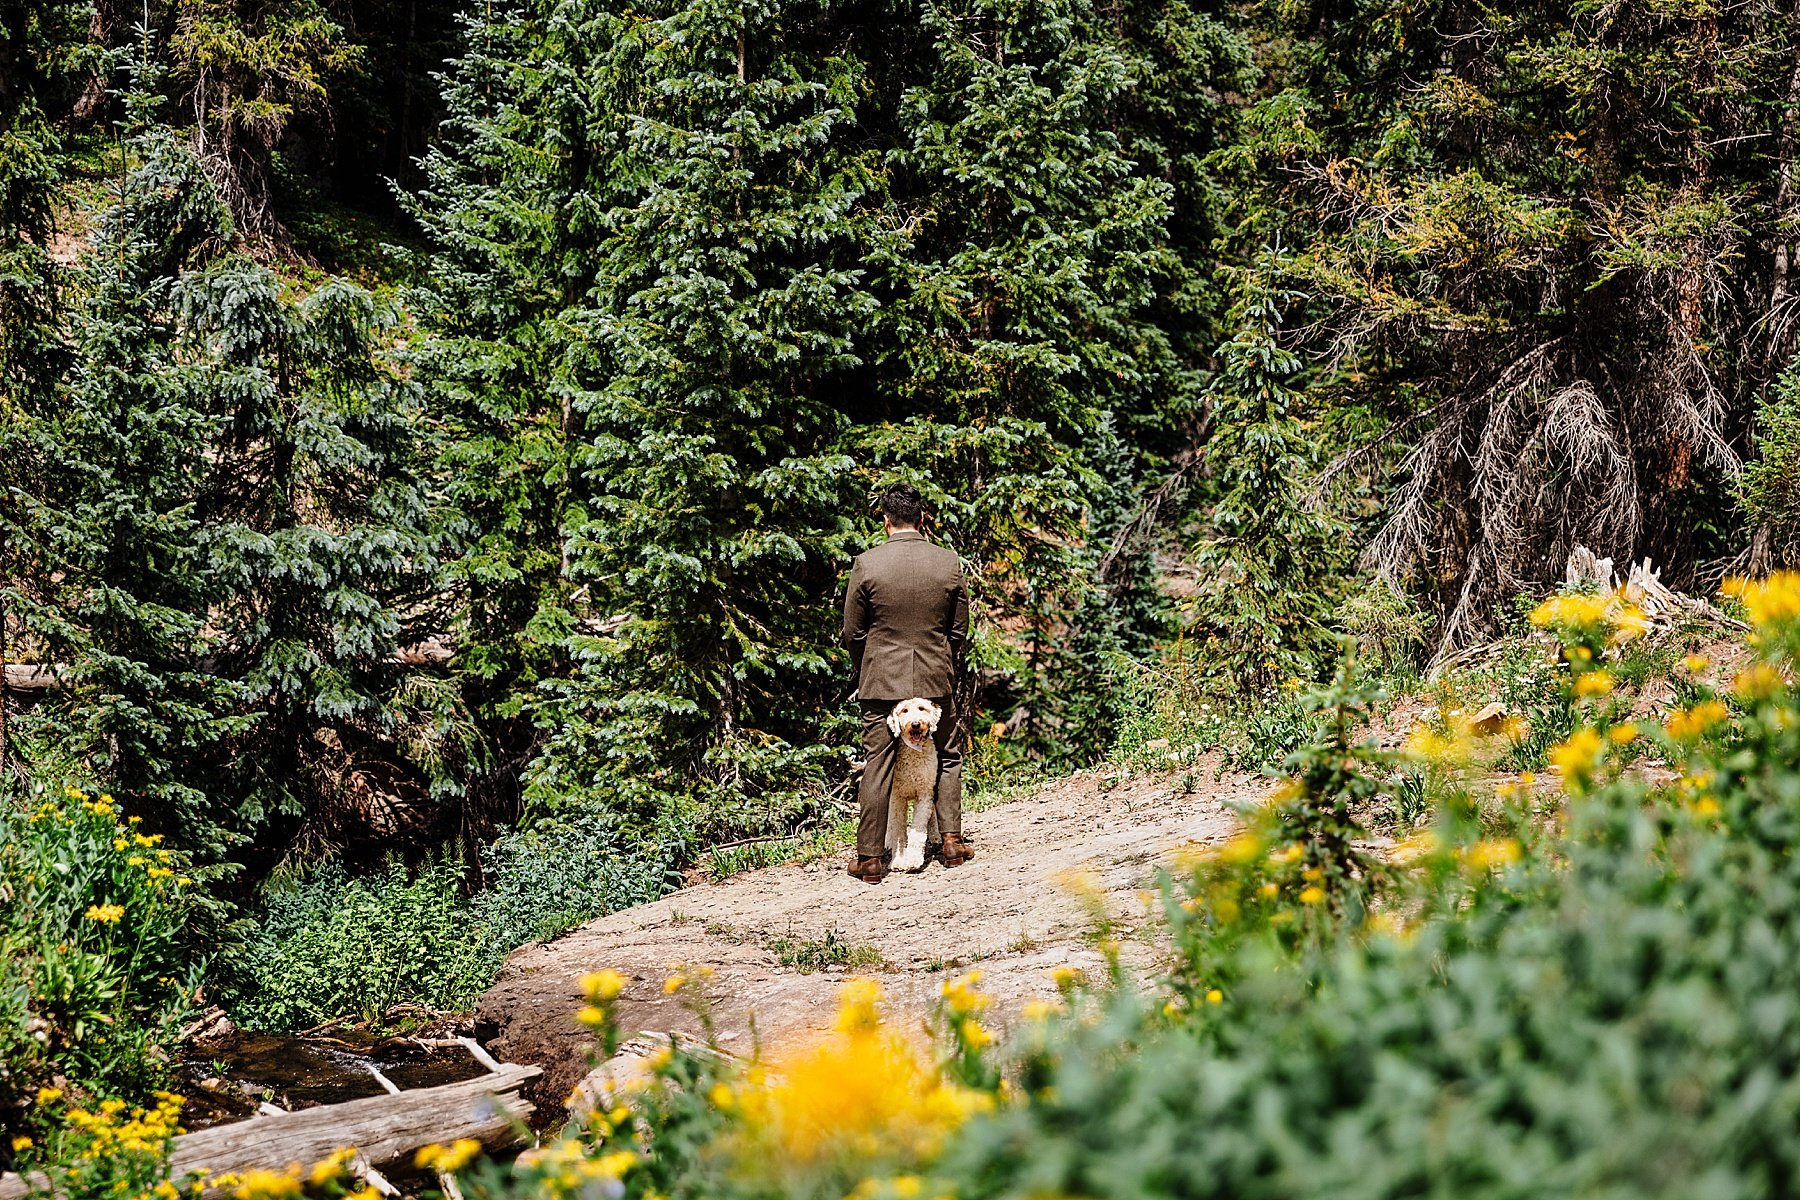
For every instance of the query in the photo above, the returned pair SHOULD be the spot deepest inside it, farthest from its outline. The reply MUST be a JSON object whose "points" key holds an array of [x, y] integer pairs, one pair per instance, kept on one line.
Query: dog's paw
{"points": [[912, 856]]}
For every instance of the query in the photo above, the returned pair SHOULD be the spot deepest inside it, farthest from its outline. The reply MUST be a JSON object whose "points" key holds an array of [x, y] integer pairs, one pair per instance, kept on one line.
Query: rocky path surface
{"points": [[1010, 911]]}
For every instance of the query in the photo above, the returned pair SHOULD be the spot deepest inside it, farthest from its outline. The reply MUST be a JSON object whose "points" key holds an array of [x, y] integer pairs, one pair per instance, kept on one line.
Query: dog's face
{"points": [[914, 721]]}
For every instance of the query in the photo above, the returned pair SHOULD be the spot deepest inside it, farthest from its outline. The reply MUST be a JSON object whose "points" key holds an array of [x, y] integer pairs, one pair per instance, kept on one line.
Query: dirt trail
{"points": [[1005, 910]]}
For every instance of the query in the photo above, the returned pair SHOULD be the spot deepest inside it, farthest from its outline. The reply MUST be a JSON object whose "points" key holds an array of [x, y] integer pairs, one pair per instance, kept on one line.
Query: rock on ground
{"points": [[1010, 911]]}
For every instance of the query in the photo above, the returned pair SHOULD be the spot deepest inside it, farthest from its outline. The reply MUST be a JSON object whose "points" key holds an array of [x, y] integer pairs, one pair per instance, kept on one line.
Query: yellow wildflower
{"points": [[721, 1097], [1066, 978], [601, 986], [1695, 663], [859, 1007], [1312, 895], [1578, 611], [21, 1143], [1268, 889], [975, 1034], [1040, 1010], [448, 1159], [1492, 852], [1758, 682], [1215, 996], [1428, 745], [1687, 723], [1622, 733], [106, 914], [962, 998], [330, 1168], [1770, 602], [268, 1185], [1243, 848], [49, 1095], [1594, 683], [1293, 852], [674, 983], [1579, 757]]}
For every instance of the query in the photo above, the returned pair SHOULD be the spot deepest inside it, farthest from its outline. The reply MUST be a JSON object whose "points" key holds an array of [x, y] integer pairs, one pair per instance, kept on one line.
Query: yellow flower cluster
{"points": [[447, 1159], [857, 1092], [1760, 681], [105, 914], [565, 1168], [1772, 603], [1579, 615], [602, 989], [1594, 683], [1689, 723], [111, 1130], [1579, 757], [1489, 853]]}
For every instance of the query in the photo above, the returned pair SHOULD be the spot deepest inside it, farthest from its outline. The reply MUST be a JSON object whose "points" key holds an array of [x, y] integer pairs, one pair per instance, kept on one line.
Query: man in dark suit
{"points": [[906, 625]]}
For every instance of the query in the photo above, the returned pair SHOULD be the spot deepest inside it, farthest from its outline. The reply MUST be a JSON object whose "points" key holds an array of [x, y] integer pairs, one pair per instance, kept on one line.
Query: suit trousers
{"points": [[877, 787]]}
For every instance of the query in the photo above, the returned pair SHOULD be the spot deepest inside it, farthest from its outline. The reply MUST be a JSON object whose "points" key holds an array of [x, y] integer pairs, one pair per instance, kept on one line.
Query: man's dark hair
{"points": [[901, 505]]}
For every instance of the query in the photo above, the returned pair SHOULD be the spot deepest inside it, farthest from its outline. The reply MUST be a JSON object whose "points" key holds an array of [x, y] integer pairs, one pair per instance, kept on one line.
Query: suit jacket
{"points": [[906, 619]]}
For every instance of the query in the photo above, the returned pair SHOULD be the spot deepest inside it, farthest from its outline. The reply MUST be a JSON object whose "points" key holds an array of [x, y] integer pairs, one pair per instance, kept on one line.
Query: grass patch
{"points": [[808, 955]]}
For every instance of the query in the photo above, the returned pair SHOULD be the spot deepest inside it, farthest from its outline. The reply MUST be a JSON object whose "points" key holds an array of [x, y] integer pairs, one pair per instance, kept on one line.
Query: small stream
{"points": [[226, 1080]]}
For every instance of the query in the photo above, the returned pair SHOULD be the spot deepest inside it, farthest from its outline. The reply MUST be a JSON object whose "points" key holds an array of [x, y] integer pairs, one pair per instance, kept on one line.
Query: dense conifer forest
{"points": [[434, 434]]}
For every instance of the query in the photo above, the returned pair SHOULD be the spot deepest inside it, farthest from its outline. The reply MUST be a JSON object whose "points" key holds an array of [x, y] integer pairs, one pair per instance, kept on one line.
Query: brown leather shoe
{"points": [[869, 870], [956, 850]]}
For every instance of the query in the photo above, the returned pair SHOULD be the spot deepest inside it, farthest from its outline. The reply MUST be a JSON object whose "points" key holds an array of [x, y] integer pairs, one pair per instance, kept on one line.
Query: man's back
{"points": [[906, 618]]}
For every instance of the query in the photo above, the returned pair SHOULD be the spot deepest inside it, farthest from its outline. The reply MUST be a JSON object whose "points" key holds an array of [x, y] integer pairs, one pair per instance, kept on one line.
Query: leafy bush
{"points": [[1771, 483], [566, 869], [99, 924], [332, 945]]}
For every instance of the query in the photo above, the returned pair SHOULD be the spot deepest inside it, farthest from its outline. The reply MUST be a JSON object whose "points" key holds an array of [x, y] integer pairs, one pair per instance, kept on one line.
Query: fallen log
{"points": [[386, 1129], [28, 677]]}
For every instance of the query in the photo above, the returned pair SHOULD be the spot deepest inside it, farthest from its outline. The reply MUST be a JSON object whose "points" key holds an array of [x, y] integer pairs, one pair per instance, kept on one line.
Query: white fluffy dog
{"points": [[915, 782]]}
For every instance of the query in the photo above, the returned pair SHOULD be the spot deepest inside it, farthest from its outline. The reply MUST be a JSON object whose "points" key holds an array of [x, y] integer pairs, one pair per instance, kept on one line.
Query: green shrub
{"points": [[99, 925], [1771, 482], [330, 945], [566, 869], [333, 945]]}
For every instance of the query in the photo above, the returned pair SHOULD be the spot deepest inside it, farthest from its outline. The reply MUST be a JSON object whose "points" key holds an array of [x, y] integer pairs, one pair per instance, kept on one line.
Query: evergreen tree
{"points": [[116, 587], [1016, 296], [513, 183], [1542, 242], [709, 352], [217, 557], [1270, 571]]}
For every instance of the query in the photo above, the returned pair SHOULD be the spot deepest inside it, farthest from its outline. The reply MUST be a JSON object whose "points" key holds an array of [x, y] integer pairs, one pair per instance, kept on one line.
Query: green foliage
{"points": [[250, 68], [331, 944], [1771, 484], [103, 931], [1579, 1005], [223, 518], [1515, 232], [551, 876], [1268, 572], [815, 954]]}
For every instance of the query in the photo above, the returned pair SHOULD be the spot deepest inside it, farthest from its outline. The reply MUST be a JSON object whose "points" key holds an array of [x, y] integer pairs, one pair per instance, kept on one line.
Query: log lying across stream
{"points": [[386, 1129]]}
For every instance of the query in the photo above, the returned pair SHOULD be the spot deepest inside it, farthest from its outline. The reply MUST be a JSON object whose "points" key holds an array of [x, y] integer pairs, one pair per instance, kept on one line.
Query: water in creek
{"points": [[228, 1078]]}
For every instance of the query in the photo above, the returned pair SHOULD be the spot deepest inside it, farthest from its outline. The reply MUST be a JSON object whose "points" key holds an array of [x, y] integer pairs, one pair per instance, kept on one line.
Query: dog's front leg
{"points": [[912, 858]]}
